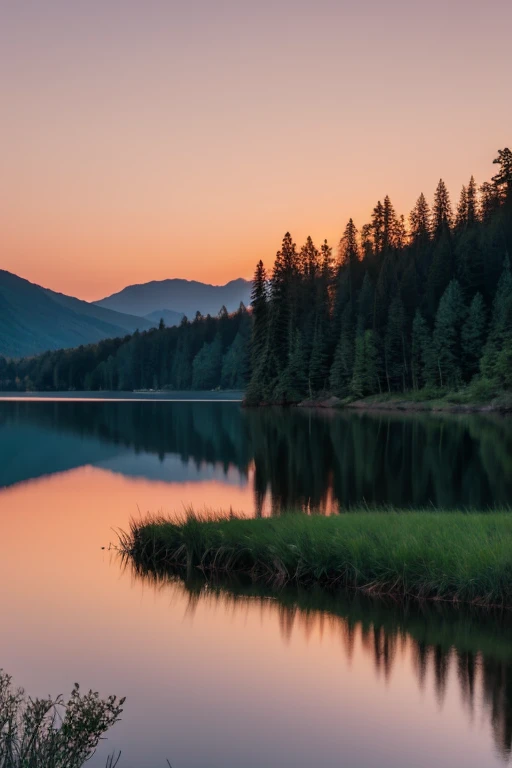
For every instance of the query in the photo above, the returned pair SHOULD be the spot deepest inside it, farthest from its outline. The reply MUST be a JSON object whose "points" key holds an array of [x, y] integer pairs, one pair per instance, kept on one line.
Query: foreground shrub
{"points": [[52, 733]]}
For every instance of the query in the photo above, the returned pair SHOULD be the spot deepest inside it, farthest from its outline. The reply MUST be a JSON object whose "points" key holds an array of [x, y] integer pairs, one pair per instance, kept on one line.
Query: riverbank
{"points": [[429, 555], [452, 402]]}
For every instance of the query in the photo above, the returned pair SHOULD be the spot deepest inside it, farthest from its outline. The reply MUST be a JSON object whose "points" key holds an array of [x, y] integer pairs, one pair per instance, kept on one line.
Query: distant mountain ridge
{"points": [[34, 319], [181, 296]]}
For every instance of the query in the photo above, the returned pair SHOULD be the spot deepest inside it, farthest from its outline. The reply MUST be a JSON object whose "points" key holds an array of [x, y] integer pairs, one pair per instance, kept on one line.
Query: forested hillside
{"points": [[207, 353], [34, 319], [403, 305], [417, 304]]}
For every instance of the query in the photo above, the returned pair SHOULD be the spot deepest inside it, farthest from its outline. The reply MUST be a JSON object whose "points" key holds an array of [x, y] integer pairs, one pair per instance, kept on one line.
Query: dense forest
{"points": [[401, 308], [403, 305]]}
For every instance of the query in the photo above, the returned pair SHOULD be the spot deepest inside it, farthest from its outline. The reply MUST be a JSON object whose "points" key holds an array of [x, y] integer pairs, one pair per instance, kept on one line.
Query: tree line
{"points": [[203, 354], [417, 305], [400, 308]]}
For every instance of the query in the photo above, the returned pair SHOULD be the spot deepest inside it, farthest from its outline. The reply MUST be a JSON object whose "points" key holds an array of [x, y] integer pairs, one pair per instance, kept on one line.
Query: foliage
{"points": [[52, 733]]}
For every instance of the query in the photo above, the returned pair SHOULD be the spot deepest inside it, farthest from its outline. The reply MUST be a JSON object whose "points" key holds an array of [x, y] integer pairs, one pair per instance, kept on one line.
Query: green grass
{"points": [[479, 395], [457, 557]]}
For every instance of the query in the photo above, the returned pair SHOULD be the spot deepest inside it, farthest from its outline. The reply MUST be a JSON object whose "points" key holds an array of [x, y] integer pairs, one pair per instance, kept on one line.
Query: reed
{"points": [[424, 554]]}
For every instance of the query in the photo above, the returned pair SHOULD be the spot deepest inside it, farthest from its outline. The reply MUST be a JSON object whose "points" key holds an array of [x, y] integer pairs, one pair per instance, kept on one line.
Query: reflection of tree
{"points": [[497, 688], [405, 460], [204, 432], [439, 639], [304, 459]]}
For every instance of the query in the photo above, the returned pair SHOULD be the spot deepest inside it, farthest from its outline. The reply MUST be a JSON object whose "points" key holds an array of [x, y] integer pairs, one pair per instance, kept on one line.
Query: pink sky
{"points": [[182, 139]]}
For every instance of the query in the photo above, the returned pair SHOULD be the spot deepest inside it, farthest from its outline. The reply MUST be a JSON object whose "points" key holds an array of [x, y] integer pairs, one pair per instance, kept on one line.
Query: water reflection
{"points": [[293, 458], [444, 643]]}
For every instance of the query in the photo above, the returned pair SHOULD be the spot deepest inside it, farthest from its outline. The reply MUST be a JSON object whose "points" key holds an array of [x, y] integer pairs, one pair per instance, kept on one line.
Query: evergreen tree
{"points": [[395, 346], [207, 365], [365, 379], [291, 386], [343, 362], [422, 368], [349, 259], [473, 337], [501, 323], [503, 179], [450, 317], [318, 366], [442, 217], [472, 203], [420, 221], [440, 272], [365, 308], [469, 262], [283, 301], [489, 201], [260, 313], [461, 219]]}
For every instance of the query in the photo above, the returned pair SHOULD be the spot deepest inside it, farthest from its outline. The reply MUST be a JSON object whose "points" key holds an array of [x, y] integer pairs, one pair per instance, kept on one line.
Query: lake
{"points": [[229, 675]]}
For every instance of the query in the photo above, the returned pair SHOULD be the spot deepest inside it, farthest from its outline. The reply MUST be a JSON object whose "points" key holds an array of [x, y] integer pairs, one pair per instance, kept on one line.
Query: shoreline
{"points": [[444, 556], [401, 403]]}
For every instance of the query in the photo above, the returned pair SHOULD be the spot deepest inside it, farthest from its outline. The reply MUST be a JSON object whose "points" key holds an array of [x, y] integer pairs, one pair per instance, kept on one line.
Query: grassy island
{"points": [[425, 554]]}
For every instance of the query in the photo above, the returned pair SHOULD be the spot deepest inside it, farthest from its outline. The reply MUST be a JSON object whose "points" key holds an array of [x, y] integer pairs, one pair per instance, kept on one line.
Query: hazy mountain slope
{"points": [[130, 323], [186, 296], [169, 317], [33, 321]]}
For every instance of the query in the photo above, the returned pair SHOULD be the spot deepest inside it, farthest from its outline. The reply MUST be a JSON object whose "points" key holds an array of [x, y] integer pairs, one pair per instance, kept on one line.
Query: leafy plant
{"points": [[53, 733]]}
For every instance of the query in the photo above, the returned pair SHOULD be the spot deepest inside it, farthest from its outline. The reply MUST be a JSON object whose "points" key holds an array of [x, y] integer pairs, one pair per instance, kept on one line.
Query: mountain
{"points": [[182, 296], [169, 317], [34, 319]]}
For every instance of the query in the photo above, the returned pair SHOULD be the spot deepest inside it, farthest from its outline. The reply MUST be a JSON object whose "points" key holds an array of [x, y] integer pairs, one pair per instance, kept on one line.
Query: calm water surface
{"points": [[232, 676]]}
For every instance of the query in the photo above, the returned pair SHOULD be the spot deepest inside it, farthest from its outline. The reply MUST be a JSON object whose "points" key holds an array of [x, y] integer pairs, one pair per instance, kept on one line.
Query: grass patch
{"points": [[479, 395], [456, 557]]}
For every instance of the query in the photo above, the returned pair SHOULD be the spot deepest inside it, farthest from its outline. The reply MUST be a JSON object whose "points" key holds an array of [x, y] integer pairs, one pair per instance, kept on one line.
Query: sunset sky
{"points": [[156, 139]]}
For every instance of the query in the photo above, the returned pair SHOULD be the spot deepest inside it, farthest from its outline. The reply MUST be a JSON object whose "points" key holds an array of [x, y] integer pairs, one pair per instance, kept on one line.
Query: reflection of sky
{"points": [[210, 682], [28, 452]]}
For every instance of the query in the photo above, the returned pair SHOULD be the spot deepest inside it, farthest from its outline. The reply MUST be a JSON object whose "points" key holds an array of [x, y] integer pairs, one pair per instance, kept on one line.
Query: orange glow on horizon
{"points": [[185, 140]]}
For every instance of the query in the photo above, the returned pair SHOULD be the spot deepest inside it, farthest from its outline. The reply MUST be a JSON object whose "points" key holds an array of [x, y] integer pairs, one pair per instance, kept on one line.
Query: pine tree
{"points": [[308, 262], [365, 379], [442, 217], [472, 202], [283, 301], [469, 262], [461, 219], [421, 353], [259, 304], [489, 201], [386, 287], [440, 272], [349, 259], [420, 221], [365, 308], [503, 179], [343, 362], [291, 386], [473, 337], [390, 225], [318, 366], [377, 228], [450, 317], [501, 323], [394, 347]]}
